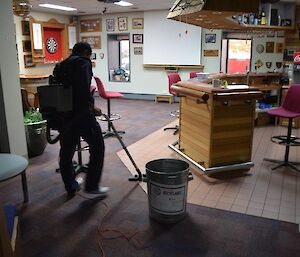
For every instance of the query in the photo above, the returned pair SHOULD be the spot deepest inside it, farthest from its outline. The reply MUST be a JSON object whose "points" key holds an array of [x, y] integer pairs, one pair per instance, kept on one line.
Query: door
{"points": [[239, 55]]}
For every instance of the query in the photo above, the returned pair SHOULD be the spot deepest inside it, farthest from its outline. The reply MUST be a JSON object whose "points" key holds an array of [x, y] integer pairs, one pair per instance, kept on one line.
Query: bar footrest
{"points": [[282, 140], [113, 116]]}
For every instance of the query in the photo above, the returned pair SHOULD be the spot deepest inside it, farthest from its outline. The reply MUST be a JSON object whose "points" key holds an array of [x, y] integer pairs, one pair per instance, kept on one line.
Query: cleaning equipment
{"points": [[139, 176], [167, 189]]}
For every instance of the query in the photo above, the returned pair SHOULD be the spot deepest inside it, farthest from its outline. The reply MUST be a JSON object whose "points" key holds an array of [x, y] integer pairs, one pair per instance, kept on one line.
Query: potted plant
{"points": [[35, 130]]}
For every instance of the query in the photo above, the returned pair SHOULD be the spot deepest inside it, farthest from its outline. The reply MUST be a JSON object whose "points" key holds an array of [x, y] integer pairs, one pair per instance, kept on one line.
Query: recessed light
{"points": [[123, 3], [58, 7]]}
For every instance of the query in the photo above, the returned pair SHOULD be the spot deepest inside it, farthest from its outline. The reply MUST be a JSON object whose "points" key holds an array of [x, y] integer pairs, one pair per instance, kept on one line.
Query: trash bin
{"points": [[167, 183]]}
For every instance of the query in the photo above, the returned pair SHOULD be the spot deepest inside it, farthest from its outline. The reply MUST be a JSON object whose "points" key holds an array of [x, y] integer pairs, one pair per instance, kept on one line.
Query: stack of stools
{"points": [[290, 109]]}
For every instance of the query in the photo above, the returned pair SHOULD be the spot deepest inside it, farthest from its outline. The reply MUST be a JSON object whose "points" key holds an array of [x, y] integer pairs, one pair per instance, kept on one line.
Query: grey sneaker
{"points": [[98, 191]]}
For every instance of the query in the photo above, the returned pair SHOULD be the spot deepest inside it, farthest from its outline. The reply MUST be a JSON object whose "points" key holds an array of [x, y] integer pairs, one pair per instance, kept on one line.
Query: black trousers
{"points": [[88, 128]]}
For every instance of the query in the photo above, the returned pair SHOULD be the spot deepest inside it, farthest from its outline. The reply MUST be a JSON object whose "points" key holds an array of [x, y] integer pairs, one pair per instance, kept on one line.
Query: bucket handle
{"points": [[190, 176]]}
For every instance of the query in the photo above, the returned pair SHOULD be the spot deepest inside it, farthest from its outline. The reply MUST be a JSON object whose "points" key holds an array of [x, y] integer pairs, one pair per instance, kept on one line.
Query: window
{"points": [[118, 57]]}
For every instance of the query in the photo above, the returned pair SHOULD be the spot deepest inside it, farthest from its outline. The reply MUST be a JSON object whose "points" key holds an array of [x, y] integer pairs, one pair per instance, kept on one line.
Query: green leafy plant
{"points": [[32, 116]]}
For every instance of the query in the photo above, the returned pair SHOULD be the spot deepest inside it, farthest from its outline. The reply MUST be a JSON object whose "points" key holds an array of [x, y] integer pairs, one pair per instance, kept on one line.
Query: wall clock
{"points": [[260, 48]]}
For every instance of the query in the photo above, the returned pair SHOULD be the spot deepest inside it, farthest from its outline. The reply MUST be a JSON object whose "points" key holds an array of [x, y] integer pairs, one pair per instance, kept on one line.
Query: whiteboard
{"points": [[166, 41]]}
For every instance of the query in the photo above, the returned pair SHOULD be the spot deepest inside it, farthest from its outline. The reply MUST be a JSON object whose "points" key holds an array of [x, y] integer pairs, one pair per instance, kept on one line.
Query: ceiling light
{"points": [[123, 3], [58, 7]]}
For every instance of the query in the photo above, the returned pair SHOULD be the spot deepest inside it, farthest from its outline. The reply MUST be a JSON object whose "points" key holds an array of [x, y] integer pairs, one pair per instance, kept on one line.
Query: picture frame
{"points": [[279, 48], [26, 44], [137, 38], [94, 41], [122, 24], [137, 23], [270, 47], [91, 25], [25, 28], [93, 56], [28, 61], [210, 38], [110, 25], [211, 53], [138, 50]]}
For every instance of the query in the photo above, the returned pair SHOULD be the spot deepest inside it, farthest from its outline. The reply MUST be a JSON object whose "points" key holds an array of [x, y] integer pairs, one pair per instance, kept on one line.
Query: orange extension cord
{"points": [[129, 236]]}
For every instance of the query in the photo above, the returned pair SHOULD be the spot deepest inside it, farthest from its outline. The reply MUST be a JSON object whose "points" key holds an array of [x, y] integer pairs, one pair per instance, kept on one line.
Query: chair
{"points": [[108, 95], [25, 100], [11, 166], [173, 78], [9, 231], [289, 109], [193, 74]]}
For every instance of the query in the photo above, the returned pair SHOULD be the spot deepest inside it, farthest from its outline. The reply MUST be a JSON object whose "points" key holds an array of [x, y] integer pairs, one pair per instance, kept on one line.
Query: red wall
{"points": [[56, 34], [237, 65]]}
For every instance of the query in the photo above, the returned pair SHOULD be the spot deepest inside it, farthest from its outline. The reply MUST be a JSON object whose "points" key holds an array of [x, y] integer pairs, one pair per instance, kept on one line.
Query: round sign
{"points": [[51, 45], [260, 48]]}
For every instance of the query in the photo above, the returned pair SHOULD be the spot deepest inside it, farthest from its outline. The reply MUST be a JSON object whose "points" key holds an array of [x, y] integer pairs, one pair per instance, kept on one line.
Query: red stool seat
{"points": [[107, 95]]}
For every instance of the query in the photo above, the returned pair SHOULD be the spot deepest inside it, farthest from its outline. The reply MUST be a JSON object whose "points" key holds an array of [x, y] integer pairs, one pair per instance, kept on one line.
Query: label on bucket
{"points": [[167, 200]]}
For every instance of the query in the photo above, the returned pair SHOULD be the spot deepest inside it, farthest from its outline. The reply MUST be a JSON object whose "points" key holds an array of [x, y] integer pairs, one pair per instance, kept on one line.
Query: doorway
{"points": [[237, 55], [118, 57]]}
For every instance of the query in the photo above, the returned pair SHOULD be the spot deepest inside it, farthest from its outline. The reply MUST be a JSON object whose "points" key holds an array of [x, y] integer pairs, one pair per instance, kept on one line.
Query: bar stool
{"points": [[193, 74], [173, 78], [11, 166], [108, 95], [290, 109]]}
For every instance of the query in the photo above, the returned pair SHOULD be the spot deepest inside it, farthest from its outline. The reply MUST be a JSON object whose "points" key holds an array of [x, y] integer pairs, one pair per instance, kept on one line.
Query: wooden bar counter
{"points": [[216, 125]]}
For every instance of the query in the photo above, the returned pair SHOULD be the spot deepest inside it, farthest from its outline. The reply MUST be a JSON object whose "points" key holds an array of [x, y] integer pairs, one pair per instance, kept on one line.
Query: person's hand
{"points": [[97, 111]]}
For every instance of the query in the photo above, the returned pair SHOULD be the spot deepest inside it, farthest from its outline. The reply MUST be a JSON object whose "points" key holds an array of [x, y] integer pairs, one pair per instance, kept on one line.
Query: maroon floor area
{"points": [[119, 225]]}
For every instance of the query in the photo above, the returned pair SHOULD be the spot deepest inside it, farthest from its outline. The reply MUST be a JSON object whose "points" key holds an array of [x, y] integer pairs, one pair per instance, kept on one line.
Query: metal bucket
{"points": [[167, 183]]}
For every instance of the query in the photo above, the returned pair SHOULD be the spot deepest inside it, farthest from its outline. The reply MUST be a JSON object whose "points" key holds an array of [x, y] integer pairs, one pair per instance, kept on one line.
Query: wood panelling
{"points": [[218, 132]]}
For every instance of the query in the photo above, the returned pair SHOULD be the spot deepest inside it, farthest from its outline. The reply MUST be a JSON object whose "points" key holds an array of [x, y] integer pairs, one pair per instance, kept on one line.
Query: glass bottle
{"points": [[263, 20]]}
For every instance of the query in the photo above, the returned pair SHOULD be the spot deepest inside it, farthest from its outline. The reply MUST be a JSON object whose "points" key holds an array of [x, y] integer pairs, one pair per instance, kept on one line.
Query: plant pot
{"points": [[36, 138]]}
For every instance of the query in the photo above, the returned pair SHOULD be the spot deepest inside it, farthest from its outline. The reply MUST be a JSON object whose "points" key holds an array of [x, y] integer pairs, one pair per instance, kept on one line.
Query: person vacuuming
{"points": [[76, 71]]}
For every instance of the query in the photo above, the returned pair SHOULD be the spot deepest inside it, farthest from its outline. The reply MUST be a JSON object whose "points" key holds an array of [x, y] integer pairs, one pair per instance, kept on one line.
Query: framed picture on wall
{"points": [[94, 41], [28, 62], [210, 38], [25, 28], [270, 47], [137, 23], [93, 25], [93, 56], [26, 45], [138, 50], [279, 48], [110, 24], [122, 24], [137, 38]]}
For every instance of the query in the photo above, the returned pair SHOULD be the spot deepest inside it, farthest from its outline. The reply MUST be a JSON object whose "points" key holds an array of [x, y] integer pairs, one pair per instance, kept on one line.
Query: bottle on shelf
{"points": [[263, 19], [255, 19]]}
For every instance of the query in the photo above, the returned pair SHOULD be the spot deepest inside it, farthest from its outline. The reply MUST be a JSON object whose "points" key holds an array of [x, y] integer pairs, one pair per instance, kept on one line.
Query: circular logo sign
{"points": [[51, 45]]}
